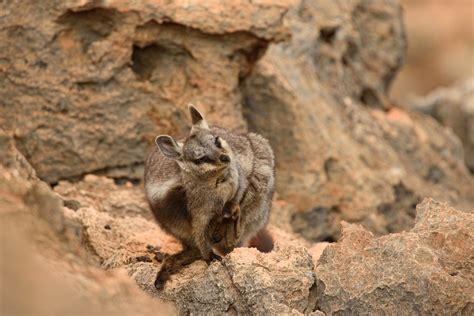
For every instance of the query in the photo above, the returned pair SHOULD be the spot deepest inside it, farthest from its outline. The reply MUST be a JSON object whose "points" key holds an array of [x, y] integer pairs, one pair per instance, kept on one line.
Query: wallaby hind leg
{"points": [[174, 264]]}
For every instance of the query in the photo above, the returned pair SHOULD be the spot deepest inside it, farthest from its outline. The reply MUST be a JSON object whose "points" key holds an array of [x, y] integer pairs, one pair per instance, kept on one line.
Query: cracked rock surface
{"points": [[114, 74], [246, 281], [45, 268], [344, 152], [427, 270], [85, 87]]}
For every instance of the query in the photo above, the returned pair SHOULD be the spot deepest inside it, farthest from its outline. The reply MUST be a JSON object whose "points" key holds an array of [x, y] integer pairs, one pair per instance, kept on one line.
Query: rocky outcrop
{"points": [[427, 270], [453, 107], [344, 153], [87, 85], [102, 79], [46, 269], [246, 281]]}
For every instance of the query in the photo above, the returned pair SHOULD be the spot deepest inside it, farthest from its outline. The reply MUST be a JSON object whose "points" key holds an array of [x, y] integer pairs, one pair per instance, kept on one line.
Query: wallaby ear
{"points": [[168, 147], [196, 117]]}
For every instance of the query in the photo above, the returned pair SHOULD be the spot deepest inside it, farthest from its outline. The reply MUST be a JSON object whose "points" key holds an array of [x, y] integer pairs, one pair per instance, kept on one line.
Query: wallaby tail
{"points": [[174, 263], [263, 241]]}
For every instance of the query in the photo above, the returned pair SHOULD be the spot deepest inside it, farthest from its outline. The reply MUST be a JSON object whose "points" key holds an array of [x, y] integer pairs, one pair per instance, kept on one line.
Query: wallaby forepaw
{"points": [[235, 213]]}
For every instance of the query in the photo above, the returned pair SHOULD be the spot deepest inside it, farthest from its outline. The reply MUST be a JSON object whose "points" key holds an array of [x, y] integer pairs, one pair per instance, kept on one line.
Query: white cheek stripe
{"points": [[225, 145], [158, 190]]}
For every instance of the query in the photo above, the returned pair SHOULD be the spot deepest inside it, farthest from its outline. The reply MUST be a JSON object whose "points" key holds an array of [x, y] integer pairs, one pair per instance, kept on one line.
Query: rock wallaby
{"points": [[214, 188]]}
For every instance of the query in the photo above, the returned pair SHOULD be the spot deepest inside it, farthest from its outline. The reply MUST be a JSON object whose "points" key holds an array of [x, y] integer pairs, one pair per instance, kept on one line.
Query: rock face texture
{"points": [[453, 107], [45, 268], [343, 152], [85, 86], [104, 195], [428, 270], [102, 80], [246, 281]]}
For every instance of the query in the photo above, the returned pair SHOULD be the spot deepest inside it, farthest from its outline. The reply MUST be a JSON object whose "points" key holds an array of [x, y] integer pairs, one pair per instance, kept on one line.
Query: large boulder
{"points": [[343, 152], [427, 270], [87, 85], [46, 270]]}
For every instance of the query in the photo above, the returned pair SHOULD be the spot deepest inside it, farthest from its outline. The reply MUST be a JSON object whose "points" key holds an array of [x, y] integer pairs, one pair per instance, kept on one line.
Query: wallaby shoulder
{"points": [[159, 169]]}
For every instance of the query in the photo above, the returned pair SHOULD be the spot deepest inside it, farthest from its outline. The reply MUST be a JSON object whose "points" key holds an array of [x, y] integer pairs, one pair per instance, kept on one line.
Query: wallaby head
{"points": [[203, 153]]}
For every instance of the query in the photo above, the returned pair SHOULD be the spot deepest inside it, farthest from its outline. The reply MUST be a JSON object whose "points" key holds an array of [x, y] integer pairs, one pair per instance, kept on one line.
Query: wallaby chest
{"points": [[214, 192]]}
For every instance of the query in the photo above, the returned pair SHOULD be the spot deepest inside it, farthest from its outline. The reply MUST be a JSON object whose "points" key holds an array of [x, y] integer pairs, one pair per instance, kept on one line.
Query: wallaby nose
{"points": [[224, 158]]}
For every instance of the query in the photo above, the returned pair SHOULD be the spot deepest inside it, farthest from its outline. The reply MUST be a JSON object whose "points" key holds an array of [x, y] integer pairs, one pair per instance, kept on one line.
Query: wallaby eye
{"points": [[202, 160], [217, 142], [198, 161]]}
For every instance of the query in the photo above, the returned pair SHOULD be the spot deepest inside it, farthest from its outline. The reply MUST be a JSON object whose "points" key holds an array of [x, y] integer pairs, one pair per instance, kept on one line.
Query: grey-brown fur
{"points": [[189, 199]]}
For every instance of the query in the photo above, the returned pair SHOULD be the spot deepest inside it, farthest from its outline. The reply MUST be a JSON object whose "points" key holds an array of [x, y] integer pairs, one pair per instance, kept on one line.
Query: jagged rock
{"points": [[428, 270], [115, 74], [453, 107], [43, 273], [317, 249], [343, 153], [104, 195], [246, 281], [119, 241]]}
